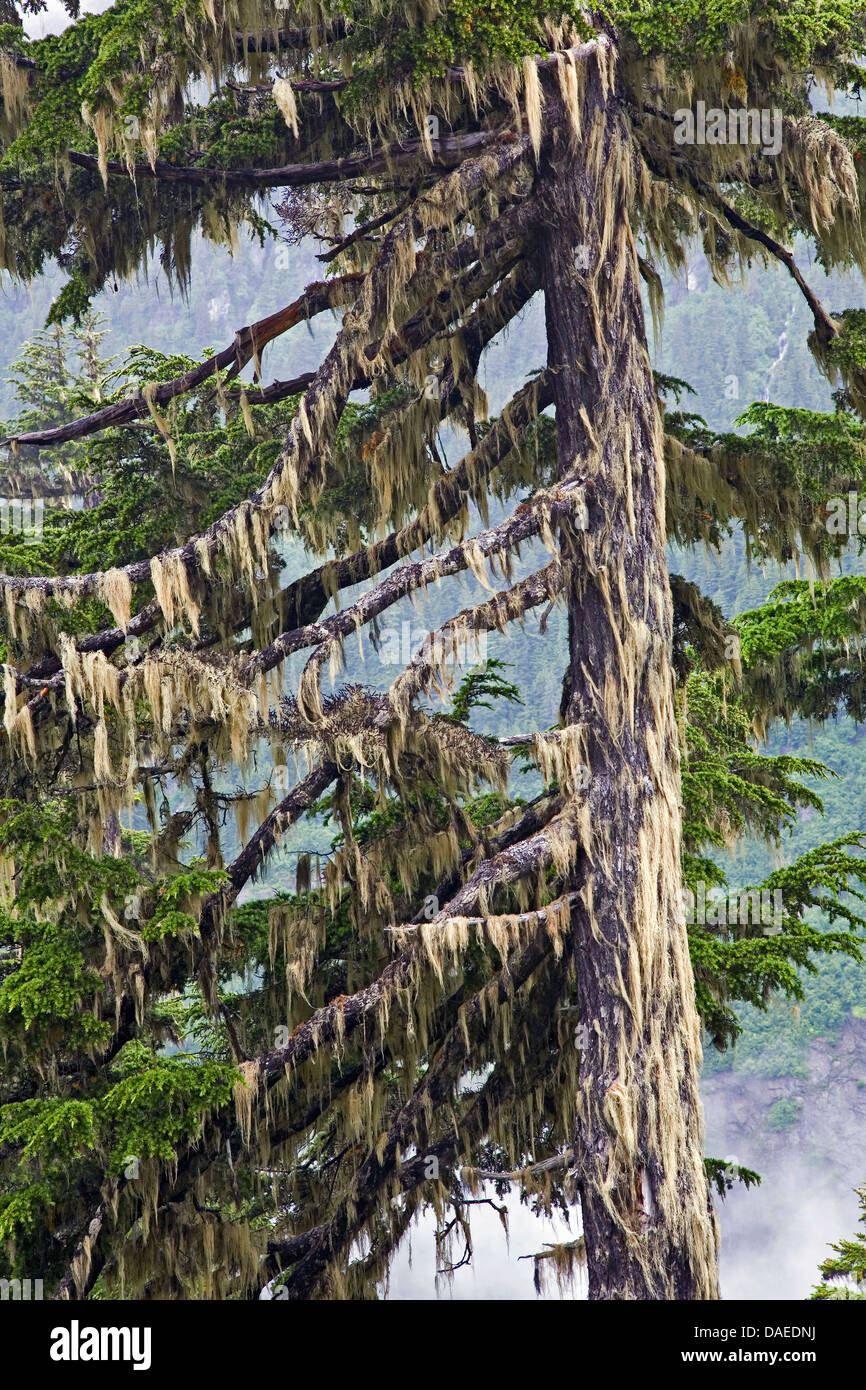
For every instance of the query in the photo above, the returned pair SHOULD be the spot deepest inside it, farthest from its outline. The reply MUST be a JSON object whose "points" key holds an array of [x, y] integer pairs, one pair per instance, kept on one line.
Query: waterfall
{"points": [[781, 348]]}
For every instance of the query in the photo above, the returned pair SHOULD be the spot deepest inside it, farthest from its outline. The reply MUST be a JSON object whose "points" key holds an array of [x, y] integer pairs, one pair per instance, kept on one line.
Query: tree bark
{"points": [[649, 1226]]}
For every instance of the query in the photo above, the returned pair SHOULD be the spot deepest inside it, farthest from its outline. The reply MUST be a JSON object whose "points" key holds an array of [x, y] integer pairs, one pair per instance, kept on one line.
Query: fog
{"points": [[773, 1239]]}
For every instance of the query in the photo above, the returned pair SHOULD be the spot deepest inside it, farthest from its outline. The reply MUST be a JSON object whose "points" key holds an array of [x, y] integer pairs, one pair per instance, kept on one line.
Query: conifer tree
{"points": [[844, 1274], [455, 160]]}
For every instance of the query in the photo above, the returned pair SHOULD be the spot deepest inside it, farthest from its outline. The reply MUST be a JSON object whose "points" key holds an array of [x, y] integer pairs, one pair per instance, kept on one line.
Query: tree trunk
{"points": [[649, 1226]]}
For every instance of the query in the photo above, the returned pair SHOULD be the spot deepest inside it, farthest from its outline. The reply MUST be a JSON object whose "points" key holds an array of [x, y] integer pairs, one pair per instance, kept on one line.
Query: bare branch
{"points": [[248, 343]]}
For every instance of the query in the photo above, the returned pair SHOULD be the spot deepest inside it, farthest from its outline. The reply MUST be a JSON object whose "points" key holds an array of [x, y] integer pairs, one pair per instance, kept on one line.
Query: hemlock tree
{"points": [[455, 160], [844, 1274]]}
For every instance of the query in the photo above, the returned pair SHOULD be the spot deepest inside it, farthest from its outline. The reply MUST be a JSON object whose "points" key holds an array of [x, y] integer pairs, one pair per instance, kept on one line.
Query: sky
{"points": [[55, 18]]}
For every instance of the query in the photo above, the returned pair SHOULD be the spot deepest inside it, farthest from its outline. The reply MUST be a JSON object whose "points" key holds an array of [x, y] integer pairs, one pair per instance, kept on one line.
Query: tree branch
{"points": [[448, 153], [248, 343]]}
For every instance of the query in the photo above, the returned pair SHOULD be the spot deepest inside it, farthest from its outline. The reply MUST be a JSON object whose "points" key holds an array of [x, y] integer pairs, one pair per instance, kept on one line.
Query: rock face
{"points": [[806, 1136]]}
